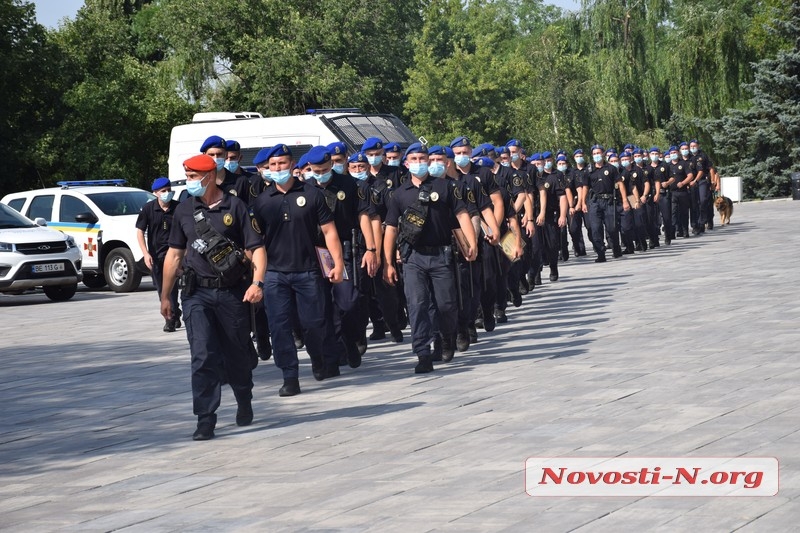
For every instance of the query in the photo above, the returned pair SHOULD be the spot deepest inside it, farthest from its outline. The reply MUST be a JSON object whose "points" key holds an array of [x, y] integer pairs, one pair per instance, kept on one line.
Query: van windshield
{"points": [[117, 203]]}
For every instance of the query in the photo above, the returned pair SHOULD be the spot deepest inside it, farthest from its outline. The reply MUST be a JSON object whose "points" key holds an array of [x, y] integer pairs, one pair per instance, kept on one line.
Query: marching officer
{"points": [[681, 170], [553, 214], [210, 237], [422, 213], [604, 180], [236, 184], [155, 219], [664, 185]]}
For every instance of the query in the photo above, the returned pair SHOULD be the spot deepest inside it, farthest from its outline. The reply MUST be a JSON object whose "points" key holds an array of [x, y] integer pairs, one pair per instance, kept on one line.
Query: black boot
{"points": [[424, 366], [291, 387]]}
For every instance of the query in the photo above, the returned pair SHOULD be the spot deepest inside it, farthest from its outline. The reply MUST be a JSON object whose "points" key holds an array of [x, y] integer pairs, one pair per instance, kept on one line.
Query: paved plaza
{"points": [[688, 350]]}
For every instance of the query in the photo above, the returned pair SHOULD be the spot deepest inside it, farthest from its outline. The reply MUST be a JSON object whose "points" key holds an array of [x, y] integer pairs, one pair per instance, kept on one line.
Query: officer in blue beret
{"points": [[420, 219], [338, 151], [290, 213], [695, 212], [574, 193], [236, 184], [707, 185], [683, 172], [663, 185], [553, 213], [155, 221], [604, 184], [646, 196]]}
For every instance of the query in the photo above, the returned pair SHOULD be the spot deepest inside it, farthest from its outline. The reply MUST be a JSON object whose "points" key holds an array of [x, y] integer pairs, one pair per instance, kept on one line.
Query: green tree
{"points": [[762, 142]]}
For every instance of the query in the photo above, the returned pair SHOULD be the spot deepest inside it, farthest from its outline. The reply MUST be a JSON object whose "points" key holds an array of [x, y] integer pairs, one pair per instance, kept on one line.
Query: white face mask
{"points": [[562, 168]]}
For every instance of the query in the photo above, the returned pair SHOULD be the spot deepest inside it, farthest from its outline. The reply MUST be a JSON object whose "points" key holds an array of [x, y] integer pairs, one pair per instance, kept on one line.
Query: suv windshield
{"points": [[120, 203], [11, 219]]}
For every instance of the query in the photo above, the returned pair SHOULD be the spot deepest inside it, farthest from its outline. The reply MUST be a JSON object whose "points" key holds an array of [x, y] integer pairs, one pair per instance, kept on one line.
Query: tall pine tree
{"points": [[762, 143]]}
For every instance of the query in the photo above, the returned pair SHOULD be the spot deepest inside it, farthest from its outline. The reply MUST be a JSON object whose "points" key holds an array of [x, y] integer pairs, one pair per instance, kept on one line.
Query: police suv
{"points": [[101, 217]]}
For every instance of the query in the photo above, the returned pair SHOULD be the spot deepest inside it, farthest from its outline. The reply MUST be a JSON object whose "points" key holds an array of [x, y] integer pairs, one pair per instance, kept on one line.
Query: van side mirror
{"points": [[86, 218], [39, 221]]}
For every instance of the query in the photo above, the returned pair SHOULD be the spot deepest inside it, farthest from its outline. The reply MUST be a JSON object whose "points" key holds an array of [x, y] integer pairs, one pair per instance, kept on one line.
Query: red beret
{"points": [[200, 163]]}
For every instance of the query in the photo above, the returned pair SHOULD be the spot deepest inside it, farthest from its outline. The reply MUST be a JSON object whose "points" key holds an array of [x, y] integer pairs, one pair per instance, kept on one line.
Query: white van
{"points": [[300, 132]]}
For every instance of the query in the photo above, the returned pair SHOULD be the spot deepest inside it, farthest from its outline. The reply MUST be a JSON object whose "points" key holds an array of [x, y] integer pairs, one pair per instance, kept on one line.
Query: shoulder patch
{"points": [[232, 192], [517, 181], [457, 191], [361, 195], [256, 227], [470, 197]]}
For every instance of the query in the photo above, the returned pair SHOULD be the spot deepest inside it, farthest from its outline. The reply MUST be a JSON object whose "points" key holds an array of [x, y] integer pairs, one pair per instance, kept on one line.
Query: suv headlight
{"points": [[6, 247], [71, 242]]}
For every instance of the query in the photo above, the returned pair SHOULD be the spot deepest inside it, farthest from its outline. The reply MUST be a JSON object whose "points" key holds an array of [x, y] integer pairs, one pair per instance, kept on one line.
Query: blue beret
{"points": [[561, 158], [478, 152], [501, 150], [561, 152], [303, 161], [537, 157], [449, 152], [484, 162], [460, 141], [160, 183], [684, 143], [597, 147], [638, 151], [673, 148], [215, 141], [655, 149], [373, 143], [318, 155], [579, 151], [393, 147], [415, 148], [487, 146], [358, 157], [337, 148], [626, 154], [277, 151], [262, 156], [694, 141], [613, 154], [233, 146], [514, 142], [547, 155], [628, 147], [436, 150]]}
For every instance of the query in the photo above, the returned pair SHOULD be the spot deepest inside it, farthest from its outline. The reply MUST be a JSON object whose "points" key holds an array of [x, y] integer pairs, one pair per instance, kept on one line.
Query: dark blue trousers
{"points": [[157, 274], [218, 328], [430, 280], [285, 294], [602, 214]]}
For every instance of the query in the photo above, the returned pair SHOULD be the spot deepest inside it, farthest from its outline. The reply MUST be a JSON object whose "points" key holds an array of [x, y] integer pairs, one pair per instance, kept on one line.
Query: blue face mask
{"points": [[539, 167], [232, 165], [562, 168], [280, 176], [514, 158], [418, 169], [196, 187], [505, 163], [637, 160], [361, 176], [694, 151], [265, 174], [436, 169], [626, 164], [394, 163], [323, 178], [597, 158], [338, 168], [674, 157], [461, 160], [615, 164], [655, 158], [548, 165], [374, 160], [220, 161], [167, 196], [580, 160]]}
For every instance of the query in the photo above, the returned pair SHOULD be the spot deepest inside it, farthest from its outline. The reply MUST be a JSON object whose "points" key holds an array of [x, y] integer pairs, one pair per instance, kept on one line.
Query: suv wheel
{"points": [[94, 281], [60, 293], [120, 271]]}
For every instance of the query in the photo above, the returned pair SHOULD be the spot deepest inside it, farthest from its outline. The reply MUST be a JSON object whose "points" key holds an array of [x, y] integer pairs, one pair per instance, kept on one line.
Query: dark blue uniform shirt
{"points": [[157, 223], [603, 180]]}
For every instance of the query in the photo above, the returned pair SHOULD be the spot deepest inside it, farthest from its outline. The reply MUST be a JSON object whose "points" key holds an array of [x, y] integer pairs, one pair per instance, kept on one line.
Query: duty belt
{"points": [[604, 196], [663, 191], [211, 283], [428, 250]]}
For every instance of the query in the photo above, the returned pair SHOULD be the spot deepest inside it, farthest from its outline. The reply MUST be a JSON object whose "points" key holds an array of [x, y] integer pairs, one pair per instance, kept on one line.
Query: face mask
{"points": [[338, 168], [232, 165], [167, 196], [394, 163], [461, 160], [308, 175], [539, 167], [505, 163], [673, 157], [597, 158], [626, 164], [265, 174], [580, 160], [361, 176], [684, 153], [694, 151], [655, 158], [323, 178], [196, 187], [548, 165], [418, 169], [220, 161], [436, 169], [280, 176], [562, 168], [615, 164], [514, 157], [637, 160], [374, 160]]}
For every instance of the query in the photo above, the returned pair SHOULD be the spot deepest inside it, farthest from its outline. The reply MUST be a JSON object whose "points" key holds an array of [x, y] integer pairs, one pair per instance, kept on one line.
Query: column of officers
{"points": [[309, 251]]}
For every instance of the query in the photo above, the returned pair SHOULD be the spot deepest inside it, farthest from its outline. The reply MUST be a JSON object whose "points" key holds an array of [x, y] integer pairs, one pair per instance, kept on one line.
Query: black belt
{"points": [[663, 191], [212, 283], [429, 250], [604, 196]]}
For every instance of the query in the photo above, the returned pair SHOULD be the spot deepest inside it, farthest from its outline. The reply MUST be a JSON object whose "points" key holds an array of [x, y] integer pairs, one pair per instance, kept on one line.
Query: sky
{"points": [[50, 12]]}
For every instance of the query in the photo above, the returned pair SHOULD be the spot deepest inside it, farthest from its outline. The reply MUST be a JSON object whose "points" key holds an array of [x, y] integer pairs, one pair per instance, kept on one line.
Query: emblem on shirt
{"points": [[434, 196], [361, 194], [546, 185], [340, 195], [255, 225], [616, 185], [456, 192], [301, 201], [227, 219], [662, 169], [232, 192], [517, 181], [680, 167], [388, 183], [470, 197], [635, 174]]}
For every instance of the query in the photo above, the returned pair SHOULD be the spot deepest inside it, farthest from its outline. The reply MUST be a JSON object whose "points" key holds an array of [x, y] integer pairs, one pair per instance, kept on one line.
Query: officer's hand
{"points": [[390, 274], [166, 308], [518, 251], [626, 206], [493, 239], [370, 263], [337, 274], [562, 221], [148, 260], [655, 198], [530, 228], [472, 253], [253, 295], [540, 219], [585, 208]]}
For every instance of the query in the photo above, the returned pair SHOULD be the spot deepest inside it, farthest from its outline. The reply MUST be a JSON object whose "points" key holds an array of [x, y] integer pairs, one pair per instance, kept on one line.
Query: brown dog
{"points": [[724, 207]]}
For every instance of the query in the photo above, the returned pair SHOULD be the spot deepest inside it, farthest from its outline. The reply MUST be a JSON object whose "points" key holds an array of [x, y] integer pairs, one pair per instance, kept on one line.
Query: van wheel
{"points": [[120, 271], [60, 293], [94, 281]]}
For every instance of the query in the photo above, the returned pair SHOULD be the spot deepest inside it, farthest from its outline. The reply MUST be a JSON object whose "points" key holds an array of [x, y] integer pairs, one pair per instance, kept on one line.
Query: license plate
{"points": [[48, 267]]}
